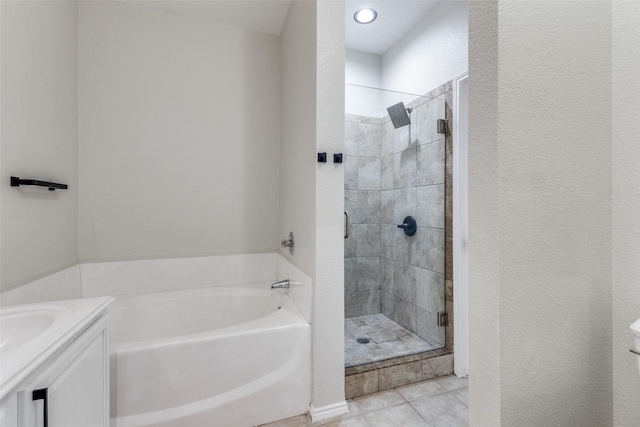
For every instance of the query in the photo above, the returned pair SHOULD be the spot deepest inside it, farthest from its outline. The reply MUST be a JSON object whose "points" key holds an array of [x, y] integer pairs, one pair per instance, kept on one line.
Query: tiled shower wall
{"points": [[389, 174], [362, 201]]}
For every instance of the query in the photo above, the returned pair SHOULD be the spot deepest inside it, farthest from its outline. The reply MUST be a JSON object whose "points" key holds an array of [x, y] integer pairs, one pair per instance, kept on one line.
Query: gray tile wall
{"points": [[363, 202], [389, 174], [413, 286]]}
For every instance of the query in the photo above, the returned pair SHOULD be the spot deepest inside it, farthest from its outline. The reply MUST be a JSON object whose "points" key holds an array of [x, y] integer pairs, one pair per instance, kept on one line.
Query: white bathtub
{"points": [[225, 356]]}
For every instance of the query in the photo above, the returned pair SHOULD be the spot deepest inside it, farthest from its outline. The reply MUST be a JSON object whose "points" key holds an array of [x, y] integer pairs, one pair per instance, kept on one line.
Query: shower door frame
{"points": [[460, 227]]}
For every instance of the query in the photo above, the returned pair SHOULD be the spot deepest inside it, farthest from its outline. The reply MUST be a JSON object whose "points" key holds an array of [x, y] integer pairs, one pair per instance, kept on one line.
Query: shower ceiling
{"points": [[395, 19]]}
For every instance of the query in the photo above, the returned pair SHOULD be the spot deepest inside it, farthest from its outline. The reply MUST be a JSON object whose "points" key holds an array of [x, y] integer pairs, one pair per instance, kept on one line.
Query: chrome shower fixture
{"points": [[289, 243], [399, 115]]}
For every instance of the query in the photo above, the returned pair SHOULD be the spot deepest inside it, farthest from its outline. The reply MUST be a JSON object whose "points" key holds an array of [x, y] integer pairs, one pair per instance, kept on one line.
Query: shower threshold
{"points": [[375, 338]]}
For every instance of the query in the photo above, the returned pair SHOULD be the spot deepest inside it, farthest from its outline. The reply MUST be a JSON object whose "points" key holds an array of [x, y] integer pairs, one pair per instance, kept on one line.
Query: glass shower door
{"points": [[394, 282]]}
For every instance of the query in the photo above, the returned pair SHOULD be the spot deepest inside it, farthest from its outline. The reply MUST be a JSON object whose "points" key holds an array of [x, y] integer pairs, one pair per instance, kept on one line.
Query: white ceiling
{"points": [[395, 17]]}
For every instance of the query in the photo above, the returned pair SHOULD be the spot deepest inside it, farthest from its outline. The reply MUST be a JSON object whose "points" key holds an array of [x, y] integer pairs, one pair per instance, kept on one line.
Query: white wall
{"points": [[39, 113], [483, 248], [363, 69], [61, 285], [432, 53], [626, 207], [298, 130], [178, 135], [328, 296], [311, 194], [545, 213]]}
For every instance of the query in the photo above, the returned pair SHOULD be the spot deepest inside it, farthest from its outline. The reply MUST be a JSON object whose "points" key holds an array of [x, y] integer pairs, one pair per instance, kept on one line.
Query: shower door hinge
{"points": [[443, 319], [442, 126]]}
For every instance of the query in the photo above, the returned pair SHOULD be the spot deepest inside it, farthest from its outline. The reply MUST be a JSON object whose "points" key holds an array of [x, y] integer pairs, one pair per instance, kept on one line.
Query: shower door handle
{"points": [[347, 225]]}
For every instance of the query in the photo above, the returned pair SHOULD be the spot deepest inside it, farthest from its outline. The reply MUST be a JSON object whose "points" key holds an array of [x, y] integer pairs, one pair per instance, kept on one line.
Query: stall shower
{"points": [[394, 281]]}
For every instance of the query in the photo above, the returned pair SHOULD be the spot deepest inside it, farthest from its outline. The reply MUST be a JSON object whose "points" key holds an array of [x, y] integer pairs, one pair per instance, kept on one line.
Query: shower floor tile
{"points": [[387, 340]]}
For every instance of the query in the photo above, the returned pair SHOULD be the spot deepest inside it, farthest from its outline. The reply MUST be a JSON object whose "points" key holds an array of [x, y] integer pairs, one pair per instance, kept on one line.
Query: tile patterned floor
{"points": [[436, 403], [388, 340]]}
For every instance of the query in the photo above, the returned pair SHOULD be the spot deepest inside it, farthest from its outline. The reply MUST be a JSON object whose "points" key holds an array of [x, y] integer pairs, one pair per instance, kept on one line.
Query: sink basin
{"points": [[21, 325]]}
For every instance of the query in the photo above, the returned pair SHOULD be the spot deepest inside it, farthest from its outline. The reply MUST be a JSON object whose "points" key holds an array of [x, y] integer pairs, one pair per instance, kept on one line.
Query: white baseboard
{"points": [[328, 411]]}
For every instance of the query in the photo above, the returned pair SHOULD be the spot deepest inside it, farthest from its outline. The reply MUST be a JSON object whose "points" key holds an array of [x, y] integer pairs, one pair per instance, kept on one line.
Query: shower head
{"points": [[399, 115]]}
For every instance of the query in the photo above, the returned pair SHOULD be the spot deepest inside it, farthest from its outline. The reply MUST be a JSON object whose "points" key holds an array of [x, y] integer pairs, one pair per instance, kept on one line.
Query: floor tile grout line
{"points": [[380, 409], [431, 395], [395, 406], [403, 401], [421, 416], [366, 420], [456, 397], [434, 394], [437, 394]]}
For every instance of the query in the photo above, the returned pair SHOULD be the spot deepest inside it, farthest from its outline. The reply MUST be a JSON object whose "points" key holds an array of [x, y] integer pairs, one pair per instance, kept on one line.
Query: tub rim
{"points": [[287, 315]]}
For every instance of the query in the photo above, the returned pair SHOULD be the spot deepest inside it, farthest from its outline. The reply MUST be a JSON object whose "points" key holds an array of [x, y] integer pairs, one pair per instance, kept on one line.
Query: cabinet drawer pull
{"points": [[41, 394]]}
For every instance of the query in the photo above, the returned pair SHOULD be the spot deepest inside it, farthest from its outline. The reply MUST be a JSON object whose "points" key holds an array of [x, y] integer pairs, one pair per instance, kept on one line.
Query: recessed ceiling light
{"points": [[365, 16]]}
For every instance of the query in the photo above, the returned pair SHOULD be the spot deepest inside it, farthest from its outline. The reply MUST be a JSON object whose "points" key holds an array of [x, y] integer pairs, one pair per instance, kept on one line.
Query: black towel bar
{"points": [[17, 182]]}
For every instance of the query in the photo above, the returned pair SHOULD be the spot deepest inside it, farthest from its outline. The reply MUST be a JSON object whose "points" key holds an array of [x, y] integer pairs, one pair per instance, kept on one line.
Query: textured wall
{"points": [[555, 212], [312, 94], [297, 128], [39, 110], [485, 397], [432, 52], [626, 208], [328, 295], [544, 212], [178, 137], [362, 69]]}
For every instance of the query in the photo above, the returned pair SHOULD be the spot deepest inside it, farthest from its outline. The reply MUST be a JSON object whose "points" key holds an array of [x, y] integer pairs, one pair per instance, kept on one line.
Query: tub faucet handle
{"points": [[289, 243], [282, 284]]}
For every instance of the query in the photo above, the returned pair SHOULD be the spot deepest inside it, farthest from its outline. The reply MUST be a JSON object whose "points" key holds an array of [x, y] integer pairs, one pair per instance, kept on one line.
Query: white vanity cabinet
{"points": [[74, 387], [60, 378]]}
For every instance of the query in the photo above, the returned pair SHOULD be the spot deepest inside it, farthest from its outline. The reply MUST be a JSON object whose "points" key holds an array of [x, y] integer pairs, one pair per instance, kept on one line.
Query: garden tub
{"points": [[234, 356]]}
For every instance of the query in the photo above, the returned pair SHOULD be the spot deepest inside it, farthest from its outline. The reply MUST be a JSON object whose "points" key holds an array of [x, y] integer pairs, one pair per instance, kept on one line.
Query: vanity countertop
{"points": [[32, 333]]}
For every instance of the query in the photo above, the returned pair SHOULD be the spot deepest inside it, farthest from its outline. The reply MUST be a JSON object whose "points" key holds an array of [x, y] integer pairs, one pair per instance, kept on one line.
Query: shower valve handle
{"points": [[409, 226]]}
